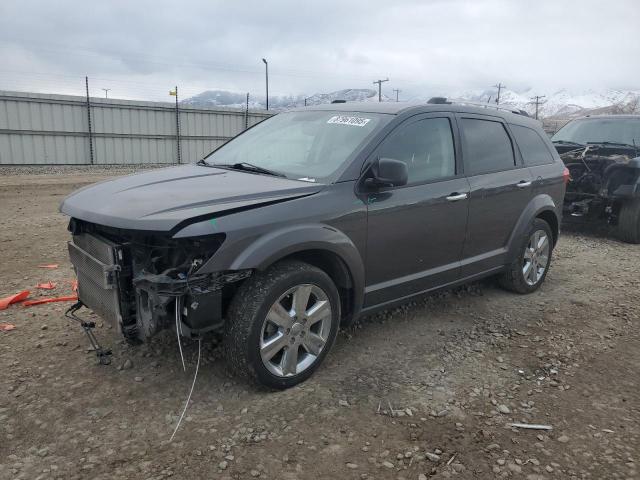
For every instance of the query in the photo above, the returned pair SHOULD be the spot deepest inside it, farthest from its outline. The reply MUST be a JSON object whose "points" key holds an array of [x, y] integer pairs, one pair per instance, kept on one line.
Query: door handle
{"points": [[523, 184], [455, 197]]}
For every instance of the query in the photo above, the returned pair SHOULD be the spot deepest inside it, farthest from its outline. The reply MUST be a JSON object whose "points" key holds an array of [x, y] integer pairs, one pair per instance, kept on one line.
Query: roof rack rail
{"points": [[444, 100]]}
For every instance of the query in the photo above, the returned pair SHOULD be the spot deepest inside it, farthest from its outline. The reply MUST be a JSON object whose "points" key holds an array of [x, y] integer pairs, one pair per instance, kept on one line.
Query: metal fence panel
{"points": [[53, 129]]}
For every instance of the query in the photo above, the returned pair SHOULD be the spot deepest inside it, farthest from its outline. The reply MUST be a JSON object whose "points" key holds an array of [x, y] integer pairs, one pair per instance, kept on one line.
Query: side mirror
{"points": [[388, 172]]}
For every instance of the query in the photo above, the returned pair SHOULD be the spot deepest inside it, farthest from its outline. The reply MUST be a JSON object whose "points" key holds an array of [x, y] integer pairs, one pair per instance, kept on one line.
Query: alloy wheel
{"points": [[295, 330], [536, 257]]}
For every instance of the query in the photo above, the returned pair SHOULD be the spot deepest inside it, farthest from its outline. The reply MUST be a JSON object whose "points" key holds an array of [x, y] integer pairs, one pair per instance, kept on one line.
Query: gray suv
{"points": [[313, 218]]}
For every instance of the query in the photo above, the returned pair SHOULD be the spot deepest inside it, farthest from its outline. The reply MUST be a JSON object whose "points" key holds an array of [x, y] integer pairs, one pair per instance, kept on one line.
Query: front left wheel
{"points": [[281, 324], [628, 229]]}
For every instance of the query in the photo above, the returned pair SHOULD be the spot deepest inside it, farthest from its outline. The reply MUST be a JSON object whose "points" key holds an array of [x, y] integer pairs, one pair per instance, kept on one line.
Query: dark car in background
{"points": [[314, 217], [602, 155]]}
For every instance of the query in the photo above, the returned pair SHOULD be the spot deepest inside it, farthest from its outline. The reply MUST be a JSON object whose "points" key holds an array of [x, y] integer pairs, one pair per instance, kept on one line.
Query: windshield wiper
{"points": [[248, 167], [566, 142]]}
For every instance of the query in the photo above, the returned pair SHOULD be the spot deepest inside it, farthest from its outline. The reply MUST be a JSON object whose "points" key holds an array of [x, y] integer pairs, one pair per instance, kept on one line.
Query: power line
{"points": [[379, 82], [397, 93], [160, 60], [106, 92], [138, 57]]}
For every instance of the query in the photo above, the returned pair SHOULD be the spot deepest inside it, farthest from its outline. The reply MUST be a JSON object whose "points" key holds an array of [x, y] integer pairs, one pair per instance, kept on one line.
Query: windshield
{"points": [[595, 130], [305, 145]]}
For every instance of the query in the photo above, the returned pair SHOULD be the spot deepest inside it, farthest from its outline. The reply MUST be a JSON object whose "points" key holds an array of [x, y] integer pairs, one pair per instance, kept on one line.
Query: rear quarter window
{"points": [[487, 146], [533, 149]]}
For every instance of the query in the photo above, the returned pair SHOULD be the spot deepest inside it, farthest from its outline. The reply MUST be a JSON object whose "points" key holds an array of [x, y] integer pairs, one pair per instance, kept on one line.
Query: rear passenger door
{"points": [[501, 187]]}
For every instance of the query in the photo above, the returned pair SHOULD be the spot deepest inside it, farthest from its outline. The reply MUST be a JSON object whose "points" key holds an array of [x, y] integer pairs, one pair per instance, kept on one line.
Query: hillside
{"points": [[224, 98], [562, 104]]}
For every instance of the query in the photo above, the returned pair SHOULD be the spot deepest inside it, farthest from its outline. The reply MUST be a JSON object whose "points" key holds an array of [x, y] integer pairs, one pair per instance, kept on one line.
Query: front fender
{"points": [[267, 249], [538, 204]]}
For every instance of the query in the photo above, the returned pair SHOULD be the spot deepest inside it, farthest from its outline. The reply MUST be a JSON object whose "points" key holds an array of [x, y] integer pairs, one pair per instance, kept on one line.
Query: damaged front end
{"points": [[601, 178], [144, 282]]}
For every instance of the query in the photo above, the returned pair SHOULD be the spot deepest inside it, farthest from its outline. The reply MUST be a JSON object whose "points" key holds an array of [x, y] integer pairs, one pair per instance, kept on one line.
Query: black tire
{"points": [[249, 308], [628, 229], [513, 279]]}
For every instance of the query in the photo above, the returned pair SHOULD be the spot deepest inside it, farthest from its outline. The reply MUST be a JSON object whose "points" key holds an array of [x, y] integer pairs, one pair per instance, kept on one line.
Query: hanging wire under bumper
{"points": [[103, 354]]}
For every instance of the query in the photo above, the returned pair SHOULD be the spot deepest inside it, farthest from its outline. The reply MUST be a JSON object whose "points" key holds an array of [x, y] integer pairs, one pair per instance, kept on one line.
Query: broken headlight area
{"points": [[599, 177], [144, 282], [191, 302]]}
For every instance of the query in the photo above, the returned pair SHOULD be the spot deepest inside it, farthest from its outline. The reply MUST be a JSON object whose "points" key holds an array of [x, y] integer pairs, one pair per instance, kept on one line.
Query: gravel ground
{"points": [[22, 170], [427, 390]]}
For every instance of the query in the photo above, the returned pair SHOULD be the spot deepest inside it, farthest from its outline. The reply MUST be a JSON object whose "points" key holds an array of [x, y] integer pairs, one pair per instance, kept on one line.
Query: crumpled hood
{"points": [[160, 199]]}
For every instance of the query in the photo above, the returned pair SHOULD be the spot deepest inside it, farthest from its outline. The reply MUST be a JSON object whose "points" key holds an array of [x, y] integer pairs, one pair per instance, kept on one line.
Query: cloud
{"points": [[141, 48]]}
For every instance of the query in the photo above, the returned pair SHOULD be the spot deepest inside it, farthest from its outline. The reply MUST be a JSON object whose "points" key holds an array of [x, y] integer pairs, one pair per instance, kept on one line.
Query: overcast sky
{"points": [[141, 48]]}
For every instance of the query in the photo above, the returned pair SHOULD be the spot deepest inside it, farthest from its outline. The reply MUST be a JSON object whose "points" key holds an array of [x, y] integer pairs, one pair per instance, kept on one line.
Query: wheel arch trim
{"points": [[538, 206], [276, 245]]}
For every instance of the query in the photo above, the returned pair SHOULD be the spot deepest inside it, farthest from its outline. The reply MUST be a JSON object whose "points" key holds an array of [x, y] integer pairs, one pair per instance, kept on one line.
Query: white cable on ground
{"points": [[178, 332], [195, 375]]}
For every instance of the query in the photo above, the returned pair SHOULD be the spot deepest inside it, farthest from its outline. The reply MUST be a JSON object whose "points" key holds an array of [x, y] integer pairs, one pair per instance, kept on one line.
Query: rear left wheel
{"points": [[529, 269], [281, 324]]}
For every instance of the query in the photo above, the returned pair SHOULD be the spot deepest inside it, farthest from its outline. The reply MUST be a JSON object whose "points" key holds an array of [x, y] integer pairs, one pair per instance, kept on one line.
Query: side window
{"points": [[533, 149], [487, 146], [426, 146]]}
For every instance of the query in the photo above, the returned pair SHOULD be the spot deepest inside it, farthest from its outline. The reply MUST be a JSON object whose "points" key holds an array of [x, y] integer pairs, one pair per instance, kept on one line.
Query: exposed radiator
{"points": [[96, 260]]}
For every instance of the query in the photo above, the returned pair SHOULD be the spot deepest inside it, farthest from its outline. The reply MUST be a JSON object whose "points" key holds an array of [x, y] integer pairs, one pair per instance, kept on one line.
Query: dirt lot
{"points": [[424, 391]]}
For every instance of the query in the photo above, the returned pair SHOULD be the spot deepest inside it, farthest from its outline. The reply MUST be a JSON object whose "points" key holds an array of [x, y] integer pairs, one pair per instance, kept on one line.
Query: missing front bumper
{"points": [[114, 283]]}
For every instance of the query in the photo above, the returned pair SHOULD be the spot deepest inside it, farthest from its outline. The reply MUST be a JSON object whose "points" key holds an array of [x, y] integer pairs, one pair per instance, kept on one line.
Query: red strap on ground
{"points": [[30, 303], [5, 327], [18, 297], [46, 286], [52, 265]]}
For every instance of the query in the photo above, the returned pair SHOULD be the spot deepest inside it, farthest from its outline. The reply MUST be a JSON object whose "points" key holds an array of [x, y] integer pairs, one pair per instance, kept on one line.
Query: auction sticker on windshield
{"points": [[345, 120]]}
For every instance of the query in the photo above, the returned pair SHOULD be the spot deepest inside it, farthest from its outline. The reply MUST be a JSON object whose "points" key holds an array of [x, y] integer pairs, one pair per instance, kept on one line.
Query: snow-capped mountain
{"points": [[350, 95], [562, 103], [223, 98]]}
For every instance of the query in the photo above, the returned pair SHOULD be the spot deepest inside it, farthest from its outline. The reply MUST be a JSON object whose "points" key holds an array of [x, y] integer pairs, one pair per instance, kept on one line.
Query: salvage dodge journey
{"points": [[313, 218]]}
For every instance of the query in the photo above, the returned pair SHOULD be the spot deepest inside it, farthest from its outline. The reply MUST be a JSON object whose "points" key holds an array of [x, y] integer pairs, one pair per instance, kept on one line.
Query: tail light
{"points": [[566, 176]]}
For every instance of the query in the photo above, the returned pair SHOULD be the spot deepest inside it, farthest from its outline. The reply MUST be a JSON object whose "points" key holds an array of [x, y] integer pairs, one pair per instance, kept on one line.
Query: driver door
{"points": [[416, 232]]}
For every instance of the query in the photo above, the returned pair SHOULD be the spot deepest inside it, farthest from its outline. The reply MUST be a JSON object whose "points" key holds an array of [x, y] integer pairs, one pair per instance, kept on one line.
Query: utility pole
{"points": [[266, 74], [106, 92], [175, 94], [379, 82], [86, 83], [537, 100], [499, 86], [397, 92]]}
